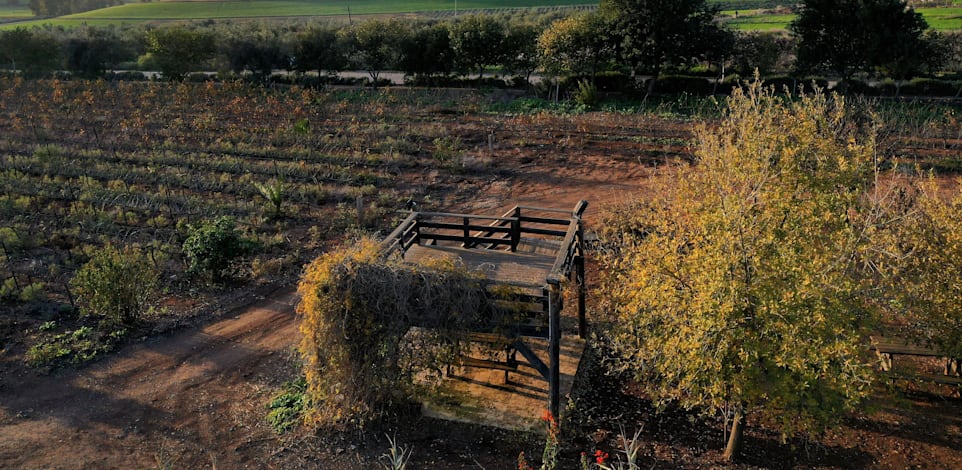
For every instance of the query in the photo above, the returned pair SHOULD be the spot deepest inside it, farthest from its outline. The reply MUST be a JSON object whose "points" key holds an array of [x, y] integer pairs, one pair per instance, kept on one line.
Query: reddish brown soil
{"points": [[196, 397]]}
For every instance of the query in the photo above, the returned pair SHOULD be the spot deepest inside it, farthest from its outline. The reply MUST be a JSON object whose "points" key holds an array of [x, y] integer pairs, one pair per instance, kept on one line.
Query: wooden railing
{"points": [[489, 232]]}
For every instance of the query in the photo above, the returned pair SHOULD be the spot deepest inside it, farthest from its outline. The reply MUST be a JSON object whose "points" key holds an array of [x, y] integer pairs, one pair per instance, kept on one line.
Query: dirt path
{"points": [[193, 395]]}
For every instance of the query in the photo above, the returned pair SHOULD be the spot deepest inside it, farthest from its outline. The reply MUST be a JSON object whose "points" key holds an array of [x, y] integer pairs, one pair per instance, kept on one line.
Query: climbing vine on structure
{"points": [[377, 331]]}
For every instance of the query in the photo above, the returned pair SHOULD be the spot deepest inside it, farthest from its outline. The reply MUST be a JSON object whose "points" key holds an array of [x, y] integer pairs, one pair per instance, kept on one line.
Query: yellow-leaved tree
{"points": [[927, 282], [743, 285]]}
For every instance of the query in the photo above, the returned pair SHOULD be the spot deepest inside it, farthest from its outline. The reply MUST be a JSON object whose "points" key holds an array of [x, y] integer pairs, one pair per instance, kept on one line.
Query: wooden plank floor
{"points": [[518, 268]]}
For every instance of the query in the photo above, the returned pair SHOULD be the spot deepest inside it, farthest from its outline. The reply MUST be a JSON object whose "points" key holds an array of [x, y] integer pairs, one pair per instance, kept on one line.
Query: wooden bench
{"points": [[888, 347]]}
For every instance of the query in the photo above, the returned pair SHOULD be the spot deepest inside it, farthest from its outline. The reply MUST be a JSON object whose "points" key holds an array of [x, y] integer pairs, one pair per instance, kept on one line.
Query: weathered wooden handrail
{"points": [[570, 247], [432, 215], [562, 263], [395, 239]]}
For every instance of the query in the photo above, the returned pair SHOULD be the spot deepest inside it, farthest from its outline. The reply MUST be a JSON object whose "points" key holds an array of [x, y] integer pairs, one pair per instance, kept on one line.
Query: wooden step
{"points": [[488, 364], [934, 378]]}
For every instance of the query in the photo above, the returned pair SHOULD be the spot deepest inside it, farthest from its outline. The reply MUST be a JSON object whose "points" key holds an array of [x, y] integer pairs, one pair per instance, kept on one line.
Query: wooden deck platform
{"points": [[520, 269]]}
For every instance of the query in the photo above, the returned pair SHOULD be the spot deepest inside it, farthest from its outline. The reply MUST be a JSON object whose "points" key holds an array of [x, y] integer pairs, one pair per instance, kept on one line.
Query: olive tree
{"points": [[478, 42], [177, 50], [650, 35], [844, 37], [375, 45]]}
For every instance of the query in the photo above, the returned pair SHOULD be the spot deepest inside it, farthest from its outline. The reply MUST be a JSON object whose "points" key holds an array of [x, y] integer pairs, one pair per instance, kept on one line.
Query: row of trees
{"points": [[877, 38]]}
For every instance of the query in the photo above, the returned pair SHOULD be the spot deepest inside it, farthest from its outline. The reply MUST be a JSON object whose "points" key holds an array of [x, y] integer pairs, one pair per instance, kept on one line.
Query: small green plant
{"points": [[32, 292], [73, 347], [302, 126], [274, 191], [587, 94], [447, 149], [287, 408], [397, 456]]}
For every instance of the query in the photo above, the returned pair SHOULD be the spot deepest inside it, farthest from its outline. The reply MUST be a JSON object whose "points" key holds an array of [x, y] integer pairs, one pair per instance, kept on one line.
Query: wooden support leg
{"points": [[554, 351], [580, 280]]}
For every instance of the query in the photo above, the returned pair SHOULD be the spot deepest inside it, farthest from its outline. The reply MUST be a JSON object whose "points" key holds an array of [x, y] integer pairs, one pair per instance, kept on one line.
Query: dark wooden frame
{"points": [[483, 232]]}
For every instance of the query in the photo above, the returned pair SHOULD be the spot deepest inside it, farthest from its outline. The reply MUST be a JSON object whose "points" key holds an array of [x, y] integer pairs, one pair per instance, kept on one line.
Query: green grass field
{"points": [[266, 8], [10, 12], [940, 19], [197, 10]]}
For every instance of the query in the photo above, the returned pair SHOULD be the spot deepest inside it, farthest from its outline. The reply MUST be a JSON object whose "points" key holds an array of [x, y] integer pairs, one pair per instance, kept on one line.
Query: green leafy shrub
{"points": [[287, 408], [447, 149], [116, 285], [211, 246]]}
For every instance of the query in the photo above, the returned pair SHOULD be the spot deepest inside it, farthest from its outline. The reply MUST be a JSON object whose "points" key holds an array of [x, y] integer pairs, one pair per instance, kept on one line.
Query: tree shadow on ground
{"points": [[606, 405]]}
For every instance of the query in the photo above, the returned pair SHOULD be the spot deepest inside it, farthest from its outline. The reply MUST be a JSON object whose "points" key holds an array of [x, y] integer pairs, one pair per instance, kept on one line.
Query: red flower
{"points": [[547, 416], [600, 456]]}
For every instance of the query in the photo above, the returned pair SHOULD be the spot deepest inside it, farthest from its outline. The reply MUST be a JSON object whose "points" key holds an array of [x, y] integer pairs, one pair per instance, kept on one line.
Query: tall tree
{"points": [[96, 51], [652, 34], [427, 51], [742, 289], [844, 37], [319, 48], [33, 52], [478, 42], [178, 50], [770, 53], [521, 50], [258, 56], [575, 45], [375, 45]]}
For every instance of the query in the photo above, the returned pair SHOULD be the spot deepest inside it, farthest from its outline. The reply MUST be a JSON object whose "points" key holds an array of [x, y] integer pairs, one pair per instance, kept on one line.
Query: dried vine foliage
{"points": [[372, 326]]}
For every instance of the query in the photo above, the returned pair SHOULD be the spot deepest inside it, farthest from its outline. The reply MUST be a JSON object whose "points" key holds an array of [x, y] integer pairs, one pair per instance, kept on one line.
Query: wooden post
{"points": [[554, 350], [580, 280], [515, 234], [467, 232]]}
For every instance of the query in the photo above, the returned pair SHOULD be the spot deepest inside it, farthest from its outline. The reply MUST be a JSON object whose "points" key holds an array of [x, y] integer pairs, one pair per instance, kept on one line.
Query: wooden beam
{"points": [[532, 359], [554, 351], [580, 282]]}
